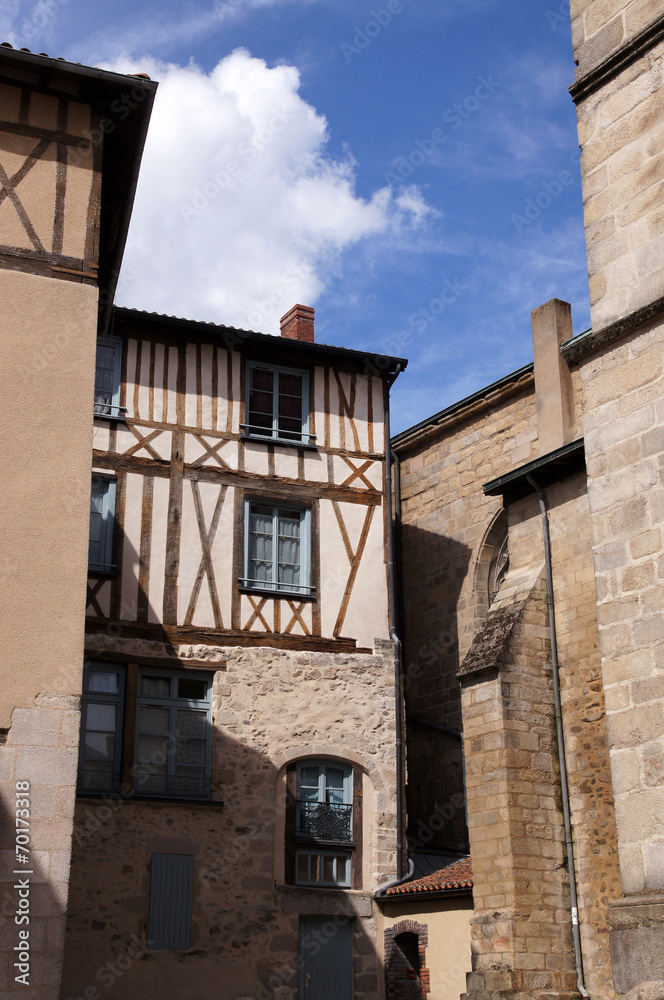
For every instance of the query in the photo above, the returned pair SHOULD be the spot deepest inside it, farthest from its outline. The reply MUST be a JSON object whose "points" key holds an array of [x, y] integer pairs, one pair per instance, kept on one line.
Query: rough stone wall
{"points": [[624, 432], [584, 717], [42, 751], [599, 27], [621, 134], [522, 919], [445, 517], [270, 707], [521, 938]]}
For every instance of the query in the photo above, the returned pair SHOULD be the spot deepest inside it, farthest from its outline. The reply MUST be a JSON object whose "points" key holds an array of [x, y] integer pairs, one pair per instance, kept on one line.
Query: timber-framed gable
{"points": [[190, 470]]}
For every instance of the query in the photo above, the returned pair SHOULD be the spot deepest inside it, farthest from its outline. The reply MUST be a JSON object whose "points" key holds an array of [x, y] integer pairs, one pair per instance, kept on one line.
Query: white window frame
{"points": [[111, 410], [263, 433], [311, 851], [105, 565], [273, 586], [116, 698], [141, 772], [311, 854]]}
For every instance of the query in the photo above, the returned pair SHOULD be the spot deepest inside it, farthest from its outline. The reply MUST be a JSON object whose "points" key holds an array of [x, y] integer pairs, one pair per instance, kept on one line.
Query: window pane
{"points": [[328, 868], [190, 752], [105, 681], [101, 717], [302, 873], [99, 747], [155, 687], [261, 400], [192, 690], [152, 751], [192, 724], [342, 869], [289, 548], [260, 544], [335, 785], [153, 721], [290, 406]]}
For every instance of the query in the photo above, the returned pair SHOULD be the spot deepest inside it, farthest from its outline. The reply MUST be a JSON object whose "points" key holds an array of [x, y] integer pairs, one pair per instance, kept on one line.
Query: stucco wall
{"points": [[46, 376], [448, 952]]}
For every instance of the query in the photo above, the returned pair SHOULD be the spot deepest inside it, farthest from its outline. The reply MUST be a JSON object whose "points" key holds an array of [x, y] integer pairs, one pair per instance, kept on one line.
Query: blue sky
{"points": [[409, 168]]}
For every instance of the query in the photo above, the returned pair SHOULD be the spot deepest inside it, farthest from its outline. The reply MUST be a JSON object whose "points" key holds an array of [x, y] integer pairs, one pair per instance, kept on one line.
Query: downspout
{"points": [[576, 934], [391, 576]]}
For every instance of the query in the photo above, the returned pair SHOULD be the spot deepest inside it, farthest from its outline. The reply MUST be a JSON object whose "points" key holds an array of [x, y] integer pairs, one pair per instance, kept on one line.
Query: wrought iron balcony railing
{"points": [[324, 821]]}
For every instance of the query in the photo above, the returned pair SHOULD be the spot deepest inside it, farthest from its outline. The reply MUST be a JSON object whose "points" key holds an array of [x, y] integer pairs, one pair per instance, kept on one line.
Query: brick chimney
{"points": [[298, 324]]}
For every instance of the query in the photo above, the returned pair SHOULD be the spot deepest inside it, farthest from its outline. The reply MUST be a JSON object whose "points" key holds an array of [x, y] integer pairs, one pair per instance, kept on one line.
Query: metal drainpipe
{"points": [[576, 934], [393, 620]]}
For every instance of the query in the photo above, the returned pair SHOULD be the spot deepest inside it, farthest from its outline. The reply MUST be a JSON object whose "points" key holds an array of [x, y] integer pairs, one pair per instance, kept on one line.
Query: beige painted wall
{"points": [[448, 954], [46, 375], [48, 336]]}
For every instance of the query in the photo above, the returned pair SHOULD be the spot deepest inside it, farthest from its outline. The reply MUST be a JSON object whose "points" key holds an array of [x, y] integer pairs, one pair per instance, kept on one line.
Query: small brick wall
{"points": [[401, 980]]}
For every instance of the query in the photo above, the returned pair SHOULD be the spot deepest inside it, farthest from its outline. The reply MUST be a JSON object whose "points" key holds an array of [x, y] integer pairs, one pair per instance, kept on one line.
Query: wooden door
{"points": [[325, 959]]}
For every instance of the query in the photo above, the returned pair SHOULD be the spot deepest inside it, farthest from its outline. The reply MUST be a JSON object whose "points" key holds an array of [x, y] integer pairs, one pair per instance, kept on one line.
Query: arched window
{"points": [[492, 565], [323, 827]]}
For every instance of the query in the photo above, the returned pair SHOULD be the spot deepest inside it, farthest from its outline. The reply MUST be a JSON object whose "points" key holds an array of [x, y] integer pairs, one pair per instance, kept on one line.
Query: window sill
{"points": [[279, 594], [119, 418], [97, 570], [335, 845], [279, 442]]}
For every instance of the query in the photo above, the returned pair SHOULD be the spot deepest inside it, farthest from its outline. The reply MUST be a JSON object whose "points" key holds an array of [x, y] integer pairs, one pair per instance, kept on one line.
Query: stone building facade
{"points": [[237, 792], [582, 431]]}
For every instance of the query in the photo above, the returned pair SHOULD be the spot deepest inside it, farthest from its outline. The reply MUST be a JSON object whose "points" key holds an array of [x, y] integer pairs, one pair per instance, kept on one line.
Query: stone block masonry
{"points": [[38, 764], [270, 708]]}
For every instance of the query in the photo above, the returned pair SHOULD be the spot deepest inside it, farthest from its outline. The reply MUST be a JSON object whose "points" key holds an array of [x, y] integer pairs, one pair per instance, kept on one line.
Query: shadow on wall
{"points": [[226, 921], [31, 909], [436, 568]]}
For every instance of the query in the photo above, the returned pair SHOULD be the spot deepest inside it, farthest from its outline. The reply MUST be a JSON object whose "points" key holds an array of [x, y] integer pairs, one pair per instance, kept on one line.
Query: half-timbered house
{"points": [[237, 795]]}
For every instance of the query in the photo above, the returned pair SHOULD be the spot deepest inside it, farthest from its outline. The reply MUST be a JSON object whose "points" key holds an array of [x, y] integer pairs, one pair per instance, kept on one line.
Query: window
{"points": [[171, 745], [277, 548], [169, 918], [102, 515], [278, 404], [107, 376], [172, 752], [101, 727], [323, 819]]}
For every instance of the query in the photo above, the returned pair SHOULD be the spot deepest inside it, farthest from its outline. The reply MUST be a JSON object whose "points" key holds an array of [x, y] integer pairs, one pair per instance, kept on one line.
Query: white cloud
{"points": [[240, 212]]}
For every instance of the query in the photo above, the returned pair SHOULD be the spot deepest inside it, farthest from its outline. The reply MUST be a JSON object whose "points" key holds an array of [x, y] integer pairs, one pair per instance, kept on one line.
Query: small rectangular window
{"points": [[277, 548], [172, 751], [102, 515], [322, 868], [169, 919], [108, 373], [101, 727], [278, 404]]}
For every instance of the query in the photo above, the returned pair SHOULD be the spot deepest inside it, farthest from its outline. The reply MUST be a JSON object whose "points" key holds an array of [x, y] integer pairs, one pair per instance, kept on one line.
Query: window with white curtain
{"points": [[277, 548], [102, 515]]}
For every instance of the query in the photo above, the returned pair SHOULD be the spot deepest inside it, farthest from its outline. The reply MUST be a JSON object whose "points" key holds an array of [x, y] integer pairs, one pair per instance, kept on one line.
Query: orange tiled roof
{"points": [[455, 876]]}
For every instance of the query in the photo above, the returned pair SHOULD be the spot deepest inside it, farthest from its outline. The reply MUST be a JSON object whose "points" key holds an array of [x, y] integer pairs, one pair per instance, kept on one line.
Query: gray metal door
{"points": [[325, 967]]}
